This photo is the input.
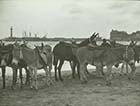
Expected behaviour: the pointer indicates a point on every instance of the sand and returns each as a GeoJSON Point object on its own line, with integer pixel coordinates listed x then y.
{"type": "Point", "coordinates": [71, 92]}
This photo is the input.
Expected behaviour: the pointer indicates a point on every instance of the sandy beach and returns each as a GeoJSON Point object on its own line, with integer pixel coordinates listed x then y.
{"type": "Point", "coordinates": [71, 92]}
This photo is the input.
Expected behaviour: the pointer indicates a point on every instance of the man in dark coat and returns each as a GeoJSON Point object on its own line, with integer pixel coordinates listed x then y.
{"type": "Point", "coordinates": [105, 43]}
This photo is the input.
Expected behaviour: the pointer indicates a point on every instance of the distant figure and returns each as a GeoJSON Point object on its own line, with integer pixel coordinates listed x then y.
{"type": "Point", "coordinates": [73, 41]}
{"type": "Point", "coordinates": [1, 43]}
{"type": "Point", "coordinates": [42, 45]}
{"type": "Point", "coordinates": [132, 43]}
{"type": "Point", "coordinates": [61, 41]}
{"type": "Point", "coordinates": [16, 43]}
{"type": "Point", "coordinates": [25, 42]}
{"type": "Point", "coordinates": [105, 44]}
{"type": "Point", "coordinates": [113, 43]}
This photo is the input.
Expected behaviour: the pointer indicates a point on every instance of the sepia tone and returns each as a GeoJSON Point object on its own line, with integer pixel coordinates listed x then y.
{"type": "Point", "coordinates": [69, 53]}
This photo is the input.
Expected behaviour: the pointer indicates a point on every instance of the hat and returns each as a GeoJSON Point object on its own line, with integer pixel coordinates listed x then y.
{"type": "Point", "coordinates": [104, 40]}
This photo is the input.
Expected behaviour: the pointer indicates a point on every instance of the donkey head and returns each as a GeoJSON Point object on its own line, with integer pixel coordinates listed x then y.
{"type": "Point", "coordinates": [129, 55]}
{"type": "Point", "coordinates": [6, 55]}
{"type": "Point", "coordinates": [16, 55]}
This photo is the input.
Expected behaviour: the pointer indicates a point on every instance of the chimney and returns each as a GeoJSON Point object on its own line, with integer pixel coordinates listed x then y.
{"type": "Point", "coordinates": [11, 32]}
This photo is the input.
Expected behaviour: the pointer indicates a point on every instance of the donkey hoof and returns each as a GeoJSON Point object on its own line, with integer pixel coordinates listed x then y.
{"type": "Point", "coordinates": [61, 79]}
{"type": "Point", "coordinates": [129, 78]}
{"type": "Point", "coordinates": [13, 87]}
{"type": "Point", "coordinates": [51, 82]}
{"type": "Point", "coordinates": [27, 83]}
{"type": "Point", "coordinates": [56, 79]}
{"type": "Point", "coordinates": [31, 87]}
{"type": "Point", "coordinates": [36, 88]}
{"type": "Point", "coordinates": [121, 74]}
{"type": "Point", "coordinates": [84, 82]}
{"type": "Point", "coordinates": [3, 87]}
{"type": "Point", "coordinates": [21, 87]}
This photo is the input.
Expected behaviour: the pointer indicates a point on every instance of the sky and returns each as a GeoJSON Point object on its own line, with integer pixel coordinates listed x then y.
{"type": "Point", "coordinates": [68, 18]}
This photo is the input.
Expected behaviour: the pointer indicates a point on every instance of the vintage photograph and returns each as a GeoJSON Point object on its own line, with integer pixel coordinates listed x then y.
{"type": "Point", "coordinates": [69, 53]}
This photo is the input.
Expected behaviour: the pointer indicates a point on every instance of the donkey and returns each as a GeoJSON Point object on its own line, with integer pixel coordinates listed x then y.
{"type": "Point", "coordinates": [66, 52]}
{"type": "Point", "coordinates": [38, 58]}
{"type": "Point", "coordinates": [100, 57]}
{"type": "Point", "coordinates": [136, 49]}
{"type": "Point", "coordinates": [6, 59]}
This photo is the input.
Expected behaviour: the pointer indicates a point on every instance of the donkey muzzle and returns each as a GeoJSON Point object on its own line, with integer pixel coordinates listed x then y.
{"type": "Point", "coordinates": [14, 61]}
{"type": "Point", "coordinates": [132, 62]}
{"type": "Point", "coordinates": [3, 63]}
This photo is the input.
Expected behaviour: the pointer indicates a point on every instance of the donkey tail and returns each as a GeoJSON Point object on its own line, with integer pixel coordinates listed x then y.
{"type": "Point", "coordinates": [55, 60]}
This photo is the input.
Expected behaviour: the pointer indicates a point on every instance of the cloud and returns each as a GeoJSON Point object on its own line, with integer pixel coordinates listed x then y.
{"type": "Point", "coordinates": [76, 18]}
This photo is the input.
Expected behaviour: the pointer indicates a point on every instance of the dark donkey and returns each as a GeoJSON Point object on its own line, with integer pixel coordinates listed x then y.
{"type": "Point", "coordinates": [6, 59]}
{"type": "Point", "coordinates": [63, 52]}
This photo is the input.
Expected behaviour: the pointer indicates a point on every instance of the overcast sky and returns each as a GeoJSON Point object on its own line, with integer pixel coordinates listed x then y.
{"type": "Point", "coordinates": [68, 18]}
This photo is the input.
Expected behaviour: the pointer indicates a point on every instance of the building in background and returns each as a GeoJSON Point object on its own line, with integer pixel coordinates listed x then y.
{"type": "Point", "coordinates": [124, 36]}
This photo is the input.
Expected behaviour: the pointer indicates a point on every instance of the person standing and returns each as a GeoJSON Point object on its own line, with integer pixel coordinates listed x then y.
{"type": "Point", "coordinates": [105, 43]}
{"type": "Point", "coordinates": [132, 43]}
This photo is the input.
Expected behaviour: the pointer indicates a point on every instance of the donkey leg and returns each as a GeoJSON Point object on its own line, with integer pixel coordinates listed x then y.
{"type": "Point", "coordinates": [87, 72]}
{"type": "Point", "coordinates": [73, 65]}
{"type": "Point", "coordinates": [132, 73]}
{"type": "Point", "coordinates": [31, 78]}
{"type": "Point", "coordinates": [83, 76]}
{"type": "Point", "coordinates": [102, 70]}
{"type": "Point", "coordinates": [48, 76]}
{"type": "Point", "coordinates": [21, 81]}
{"type": "Point", "coordinates": [16, 72]}
{"type": "Point", "coordinates": [78, 70]}
{"type": "Point", "coordinates": [55, 69]}
{"type": "Point", "coordinates": [121, 73]}
{"type": "Point", "coordinates": [14, 78]}
{"type": "Point", "coordinates": [127, 68]}
{"type": "Point", "coordinates": [27, 76]}
{"type": "Point", "coordinates": [50, 69]}
{"type": "Point", "coordinates": [108, 75]}
{"type": "Point", "coordinates": [59, 69]}
{"type": "Point", "coordinates": [99, 70]}
{"type": "Point", "coordinates": [35, 79]}
{"type": "Point", "coordinates": [3, 76]}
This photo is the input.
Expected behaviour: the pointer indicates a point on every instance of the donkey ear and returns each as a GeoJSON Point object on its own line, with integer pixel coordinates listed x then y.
{"type": "Point", "coordinates": [93, 34]}
{"type": "Point", "coordinates": [97, 34]}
